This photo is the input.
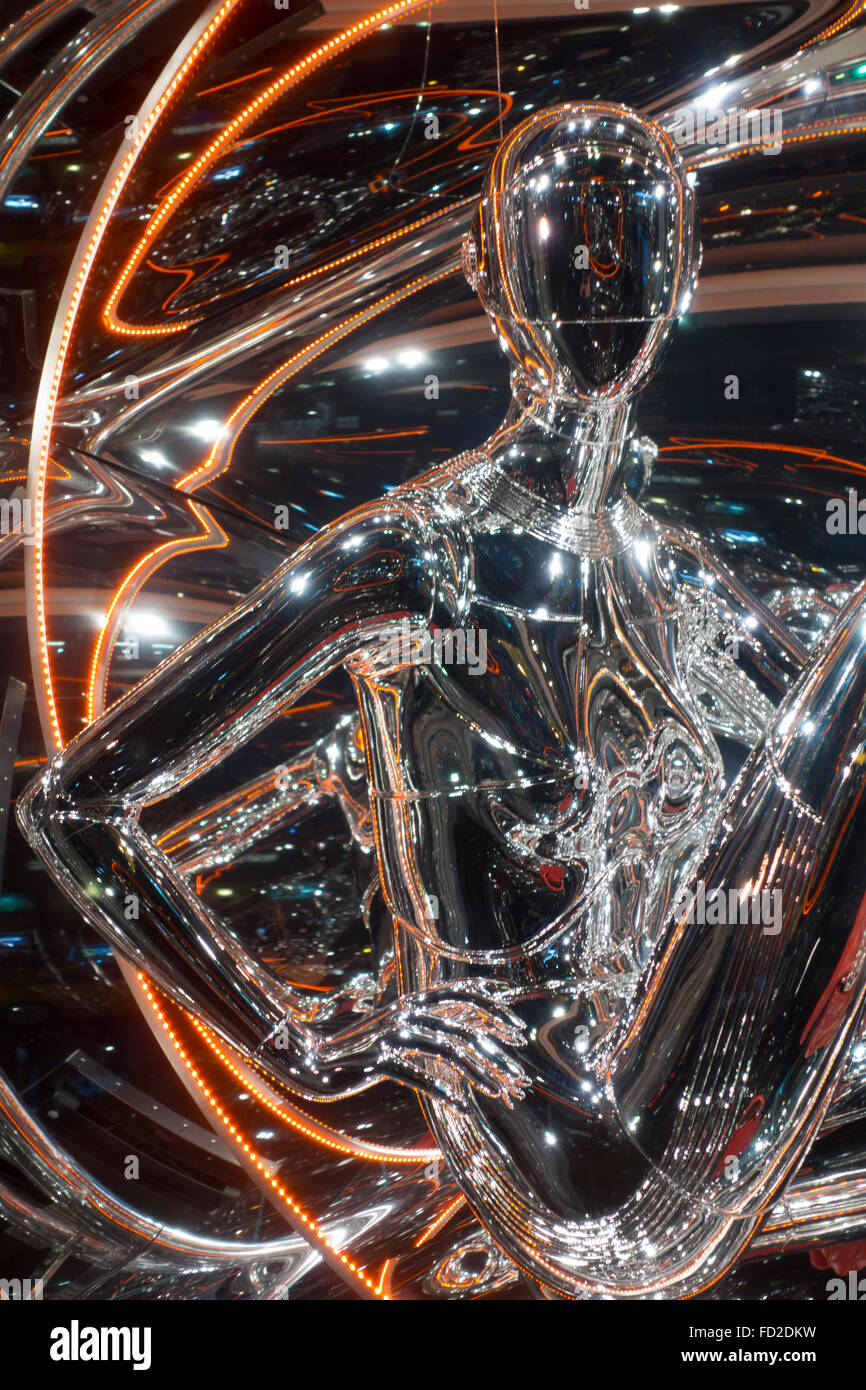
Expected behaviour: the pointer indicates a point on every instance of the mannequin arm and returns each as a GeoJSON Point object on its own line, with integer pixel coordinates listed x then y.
{"type": "Point", "coordinates": [738, 655]}
{"type": "Point", "coordinates": [337, 593]}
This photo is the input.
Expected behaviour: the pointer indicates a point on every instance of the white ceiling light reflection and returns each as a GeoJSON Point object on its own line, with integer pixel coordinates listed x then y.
{"type": "Point", "coordinates": [713, 96]}
{"type": "Point", "coordinates": [154, 456]}
{"type": "Point", "coordinates": [146, 624]}
{"type": "Point", "coordinates": [206, 430]}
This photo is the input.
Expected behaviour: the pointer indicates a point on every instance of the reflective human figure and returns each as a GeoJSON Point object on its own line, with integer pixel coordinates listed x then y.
{"type": "Point", "coordinates": [619, 1084]}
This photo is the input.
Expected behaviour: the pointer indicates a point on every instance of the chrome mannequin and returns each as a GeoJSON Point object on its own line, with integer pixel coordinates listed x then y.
{"type": "Point", "coordinates": [619, 1091]}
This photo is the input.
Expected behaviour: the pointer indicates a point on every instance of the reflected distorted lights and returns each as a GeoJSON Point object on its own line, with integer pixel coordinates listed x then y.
{"type": "Point", "coordinates": [206, 430]}
{"type": "Point", "coordinates": [595, 819]}
{"type": "Point", "coordinates": [509, 942]}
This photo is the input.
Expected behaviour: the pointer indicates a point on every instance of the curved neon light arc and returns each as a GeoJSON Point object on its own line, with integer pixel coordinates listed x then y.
{"type": "Point", "coordinates": [309, 1228]}
{"type": "Point", "coordinates": [832, 29]}
{"type": "Point", "coordinates": [219, 458]}
{"type": "Point", "coordinates": [173, 75]}
{"type": "Point", "coordinates": [226, 138]}
{"type": "Point", "coordinates": [298, 1119]}
{"type": "Point", "coordinates": [212, 537]}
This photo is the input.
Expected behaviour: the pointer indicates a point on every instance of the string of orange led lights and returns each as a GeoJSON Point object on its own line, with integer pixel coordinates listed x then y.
{"type": "Point", "coordinates": [212, 536]}
{"type": "Point", "coordinates": [219, 458]}
{"type": "Point", "coordinates": [832, 29]}
{"type": "Point", "coordinates": [325, 1135]}
{"type": "Point", "coordinates": [269, 94]}
{"type": "Point", "coordinates": [311, 1229]}
{"type": "Point", "coordinates": [172, 77]}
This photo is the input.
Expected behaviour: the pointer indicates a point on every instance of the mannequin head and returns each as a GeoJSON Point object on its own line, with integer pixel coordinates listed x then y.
{"type": "Point", "coordinates": [581, 250]}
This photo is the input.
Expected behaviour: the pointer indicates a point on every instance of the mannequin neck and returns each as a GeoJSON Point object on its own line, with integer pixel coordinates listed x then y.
{"type": "Point", "coordinates": [576, 456]}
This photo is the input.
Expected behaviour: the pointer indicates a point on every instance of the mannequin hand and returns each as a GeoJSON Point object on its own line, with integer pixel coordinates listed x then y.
{"type": "Point", "coordinates": [465, 1025]}
{"type": "Point", "coordinates": [468, 1026]}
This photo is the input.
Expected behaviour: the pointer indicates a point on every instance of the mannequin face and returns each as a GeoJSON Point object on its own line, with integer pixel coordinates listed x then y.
{"type": "Point", "coordinates": [581, 250]}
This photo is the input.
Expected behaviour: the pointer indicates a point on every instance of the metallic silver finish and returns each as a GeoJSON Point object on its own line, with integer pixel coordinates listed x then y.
{"type": "Point", "coordinates": [80, 1204]}
{"type": "Point", "coordinates": [619, 1087]}
{"type": "Point", "coordinates": [18, 35]}
{"type": "Point", "coordinates": [36, 109]}
{"type": "Point", "coordinates": [581, 253]}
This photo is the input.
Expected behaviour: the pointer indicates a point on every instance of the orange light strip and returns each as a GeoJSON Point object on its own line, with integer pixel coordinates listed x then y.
{"type": "Point", "coordinates": [219, 458]}
{"type": "Point", "coordinates": [346, 438]}
{"type": "Point", "coordinates": [683, 442]}
{"type": "Point", "coordinates": [248, 1152]}
{"type": "Point", "coordinates": [188, 273]}
{"type": "Point", "coordinates": [440, 1221]}
{"type": "Point", "coordinates": [49, 388]}
{"type": "Point", "coordinates": [381, 1284]}
{"type": "Point", "coordinates": [857, 8]}
{"type": "Point", "coordinates": [56, 154]}
{"type": "Point", "coordinates": [821, 130]}
{"type": "Point", "coordinates": [266, 97]}
{"type": "Point", "coordinates": [62, 476]}
{"type": "Point", "coordinates": [320, 1134]}
{"type": "Point", "coordinates": [221, 86]}
{"type": "Point", "coordinates": [212, 537]}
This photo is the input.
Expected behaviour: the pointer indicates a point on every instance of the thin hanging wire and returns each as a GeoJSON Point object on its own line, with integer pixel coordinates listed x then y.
{"type": "Point", "coordinates": [498, 68]}
{"type": "Point", "coordinates": [418, 105]}
{"type": "Point", "coordinates": [420, 101]}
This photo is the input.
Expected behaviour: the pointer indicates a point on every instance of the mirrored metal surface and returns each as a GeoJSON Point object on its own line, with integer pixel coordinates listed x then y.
{"type": "Point", "coordinates": [483, 859]}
